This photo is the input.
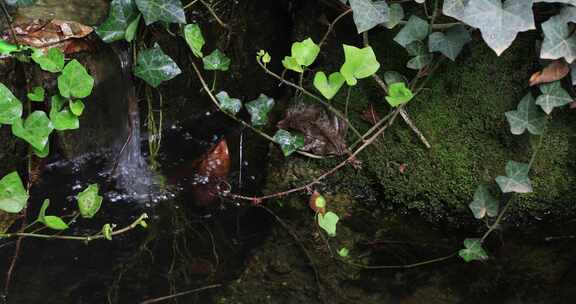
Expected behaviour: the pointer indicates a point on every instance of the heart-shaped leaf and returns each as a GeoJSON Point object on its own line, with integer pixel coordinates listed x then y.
{"type": "Point", "coordinates": [170, 11]}
{"type": "Point", "coordinates": [517, 178]}
{"type": "Point", "coordinates": [328, 222]}
{"type": "Point", "coordinates": [10, 106]}
{"type": "Point", "coordinates": [194, 39]}
{"type": "Point", "coordinates": [553, 95]}
{"type": "Point", "coordinates": [395, 15]}
{"type": "Point", "coordinates": [289, 143]}
{"type": "Point", "coordinates": [13, 195]}
{"type": "Point", "coordinates": [368, 14]}
{"type": "Point", "coordinates": [328, 87]}
{"type": "Point", "coordinates": [484, 203]}
{"type": "Point", "coordinates": [526, 116]}
{"type": "Point", "coordinates": [122, 14]}
{"type": "Point", "coordinates": [398, 94]}
{"type": "Point", "coordinates": [358, 64]}
{"type": "Point", "coordinates": [559, 38]}
{"type": "Point", "coordinates": [62, 118]}
{"type": "Point", "coordinates": [228, 104]}
{"type": "Point", "coordinates": [259, 109]}
{"type": "Point", "coordinates": [77, 107]}
{"type": "Point", "coordinates": [37, 94]}
{"type": "Point", "coordinates": [450, 43]}
{"type": "Point", "coordinates": [75, 81]}
{"type": "Point", "coordinates": [35, 129]}
{"type": "Point", "coordinates": [89, 201]}
{"type": "Point", "coordinates": [473, 251]}
{"type": "Point", "coordinates": [216, 61]}
{"type": "Point", "coordinates": [303, 53]}
{"type": "Point", "coordinates": [52, 62]}
{"type": "Point", "coordinates": [415, 30]}
{"type": "Point", "coordinates": [155, 67]}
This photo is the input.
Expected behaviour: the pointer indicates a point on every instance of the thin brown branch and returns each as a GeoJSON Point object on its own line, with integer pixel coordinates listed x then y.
{"type": "Point", "coordinates": [179, 294]}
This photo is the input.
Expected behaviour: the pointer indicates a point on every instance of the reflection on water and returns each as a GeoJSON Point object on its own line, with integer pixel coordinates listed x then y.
{"type": "Point", "coordinates": [88, 12]}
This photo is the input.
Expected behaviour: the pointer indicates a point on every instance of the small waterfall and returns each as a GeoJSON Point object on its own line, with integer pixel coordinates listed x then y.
{"type": "Point", "coordinates": [131, 171]}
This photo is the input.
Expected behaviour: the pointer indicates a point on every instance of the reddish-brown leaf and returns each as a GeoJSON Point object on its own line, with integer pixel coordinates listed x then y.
{"type": "Point", "coordinates": [215, 165]}
{"type": "Point", "coordinates": [313, 205]}
{"type": "Point", "coordinates": [556, 70]}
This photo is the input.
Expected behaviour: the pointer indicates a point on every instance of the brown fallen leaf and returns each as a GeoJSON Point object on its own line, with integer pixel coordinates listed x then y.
{"type": "Point", "coordinates": [211, 171]}
{"type": "Point", "coordinates": [312, 203]}
{"type": "Point", "coordinates": [555, 70]}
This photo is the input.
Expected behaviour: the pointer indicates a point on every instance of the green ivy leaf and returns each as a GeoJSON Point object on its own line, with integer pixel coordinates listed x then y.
{"type": "Point", "coordinates": [132, 29]}
{"type": "Point", "coordinates": [291, 63]}
{"type": "Point", "coordinates": [52, 62]}
{"type": "Point", "coordinates": [35, 129]}
{"type": "Point", "coordinates": [559, 37]}
{"type": "Point", "coordinates": [13, 195]}
{"type": "Point", "coordinates": [450, 43]}
{"type": "Point", "coordinates": [527, 116]}
{"type": "Point", "coordinates": [170, 11]}
{"type": "Point", "coordinates": [121, 15]}
{"type": "Point", "coordinates": [216, 61]}
{"type": "Point", "coordinates": [77, 107]}
{"type": "Point", "coordinates": [37, 94]}
{"type": "Point", "coordinates": [358, 64]}
{"type": "Point", "coordinates": [7, 48]}
{"type": "Point", "coordinates": [328, 87]}
{"type": "Point", "coordinates": [54, 222]}
{"type": "Point", "coordinates": [194, 39]}
{"type": "Point", "coordinates": [264, 56]}
{"type": "Point", "coordinates": [107, 231]}
{"type": "Point", "coordinates": [328, 222]}
{"type": "Point", "coordinates": [553, 95]}
{"type": "Point", "coordinates": [473, 251]}
{"type": "Point", "coordinates": [75, 81]}
{"type": "Point", "coordinates": [343, 252]}
{"type": "Point", "coordinates": [288, 142]}
{"type": "Point", "coordinates": [62, 118]}
{"type": "Point", "coordinates": [42, 213]}
{"type": "Point", "coordinates": [517, 178]}
{"type": "Point", "coordinates": [303, 54]}
{"type": "Point", "coordinates": [421, 56]}
{"type": "Point", "coordinates": [10, 106]}
{"type": "Point", "coordinates": [155, 67]}
{"type": "Point", "coordinates": [484, 203]}
{"type": "Point", "coordinates": [395, 15]}
{"type": "Point", "coordinates": [398, 94]}
{"type": "Point", "coordinates": [89, 201]}
{"type": "Point", "coordinates": [368, 14]}
{"type": "Point", "coordinates": [259, 109]}
{"type": "Point", "coordinates": [228, 104]}
{"type": "Point", "coordinates": [415, 30]}
{"type": "Point", "coordinates": [42, 153]}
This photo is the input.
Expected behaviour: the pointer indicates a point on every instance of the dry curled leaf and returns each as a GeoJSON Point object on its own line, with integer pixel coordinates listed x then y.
{"type": "Point", "coordinates": [555, 70]}
{"type": "Point", "coordinates": [314, 199]}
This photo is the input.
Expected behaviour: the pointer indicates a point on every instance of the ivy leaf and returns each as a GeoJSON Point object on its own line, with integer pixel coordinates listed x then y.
{"type": "Point", "coordinates": [415, 30]}
{"type": "Point", "coordinates": [358, 64]}
{"type": "Point", "coordinates": [42, 153]}
{"type": "Point", "coordinates": [450, 44]}
{"type": "Point", "coordinates": [170, 11]}
{"type": "Point", "coordinates": [559, 39]}
{"type": "Point", "coordinates": [10, 106]}
{"type": "Point", "coordinates": [395, 15]}
{"type": "Point", "coordinates": [75, 81]}
{"type": "Point", "coordinates": [194, 39]}
{"type": "Point", "coordinates": [484, 203]}
{"type": "Point", "coordinates": [289, 143]}
{"type": "Point", "coordinates": [77, 107]}
{"type": "Point", "coordinates": [499, 22]}
{"type": "Point", "coordinates": [553, 95]}
{"type": "Point", "coordinates": [343, 252]}
{"type": "Point", "coordinates": [228, 104]}
{"type": "Point", "coordinates": [35, 129]}
{"type": "Point", "coordinates": [259, 109]}
{"type": "Point", "coordinates": [52, 62]}
{"type": "Point", "coordinates": [13, 195]}
{"type": "Point", "coordinates": [454, 8]}
{"type": "Point", "coordinates": [7, 48]}
{"type": "Point", "coordinates": [516, 179]}
{"type": "Point", "coordinates": [216, 61]}
{"type": "Point", "coordinates": [42, 213]}
{"type": "Point", "coordinates": [54, 222]}
{"type": "Point", "coordinates": [62, 118]}
{"type": "Point", "coordinates": [527, 116]}
{"type": "Point", "coordinates": [398, 94]}
{"type": "Point", "coordinates": [303, 53]}
{"type": "Point", "coordinates": [421, 56]}
{"type": "Point", "coordinates": [368, 14]}
{"type": "Point", "coordinates": [328, 87]}
{"type": "Point", "coordinates": [107, 231]}
{"type": "Point", "coordinates": [121, 15]}
{"type": "Point", "coordinates": [132, 29]}
{"type": "Point", "coordinates": [473, 251]}
{"type": "Point", "coordinates": [328, 222]}
{"type": "Point", "coordinates": [37, 94]}
{"type": "Point", "coordinates": [89, 201]}
{"type": "Point", "coordinates": [155, 67]}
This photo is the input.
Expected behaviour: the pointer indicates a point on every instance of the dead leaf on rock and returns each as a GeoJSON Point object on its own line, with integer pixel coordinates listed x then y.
{"type": "Point", "coordinates": [324, 134]}
{"type": "Point", "coordinates": [555, 70]}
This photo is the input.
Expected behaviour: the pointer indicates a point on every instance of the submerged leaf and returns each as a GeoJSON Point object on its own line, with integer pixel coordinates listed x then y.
{"type": "Point", "coordinates": [259, 109]}
{"type": "Point", "coordinates": [526, 117]}
{"type": "Point", "coordinates": [289, 143]}
{"type": "Point", "coordinates": [10, 106]}
{"type": "Point", "coordinates": [155, 67]}
{"type": "Point", "coordinates": [473, 251]}
{"type": "Point", "coordinates": [13, 195]}
{"type": "Point", "coordinates": [516, 179]}
{"type": "Point", "coordinates": [553, 95]}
